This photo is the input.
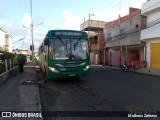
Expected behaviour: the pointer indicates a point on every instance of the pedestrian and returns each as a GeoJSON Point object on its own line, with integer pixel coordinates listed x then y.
{"type": "Point", "coordinates": [21, 62]}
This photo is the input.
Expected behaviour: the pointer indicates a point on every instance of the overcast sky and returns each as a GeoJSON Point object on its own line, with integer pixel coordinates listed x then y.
{"type": "Point", "coordinates": [56, 14]}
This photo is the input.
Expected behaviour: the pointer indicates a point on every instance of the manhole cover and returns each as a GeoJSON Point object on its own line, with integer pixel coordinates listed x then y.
{"type": "Point", "coordinates": [29, 82]}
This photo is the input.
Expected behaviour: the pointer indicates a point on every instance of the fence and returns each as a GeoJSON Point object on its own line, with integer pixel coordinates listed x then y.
{"type": "Point", "coordinates": [7, 69]}
{"type": "Point", "coordinates": [6, 65]}
{"type": "Point", "coordinates": [8, 74]}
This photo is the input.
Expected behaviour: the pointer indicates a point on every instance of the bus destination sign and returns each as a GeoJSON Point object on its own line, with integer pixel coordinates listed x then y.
{"type": "Point", "coordinates": [67, 33]}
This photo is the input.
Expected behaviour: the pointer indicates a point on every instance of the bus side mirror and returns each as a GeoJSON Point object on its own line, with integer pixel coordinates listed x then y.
{"type": "Point", "coordinates": [46, 41]}
{"type": "Point", "coordinates": [89, 45]}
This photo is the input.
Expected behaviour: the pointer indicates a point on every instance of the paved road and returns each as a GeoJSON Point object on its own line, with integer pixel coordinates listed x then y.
{"type": "Point", "coordinates": [20, 93]}
{"type": "Point", "coordinates": [104, 90]}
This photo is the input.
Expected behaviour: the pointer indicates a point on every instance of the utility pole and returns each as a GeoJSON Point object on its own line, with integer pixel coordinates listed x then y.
{"type": "Point", "coordinates": [89, 28]}
{"type": "Point", "coordinates": [32, 32]}
{"type": "Point", "coordinates": [83, 23]}
{"type": "Point", "coordinates": [89, 23]}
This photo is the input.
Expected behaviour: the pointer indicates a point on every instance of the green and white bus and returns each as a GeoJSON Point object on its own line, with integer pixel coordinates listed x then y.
{"type": "Point", "coordinates": [65, 54]}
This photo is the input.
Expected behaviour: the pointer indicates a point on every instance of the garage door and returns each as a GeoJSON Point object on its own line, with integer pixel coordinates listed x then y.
{"type": "Point", "coordinates": [155, 55]}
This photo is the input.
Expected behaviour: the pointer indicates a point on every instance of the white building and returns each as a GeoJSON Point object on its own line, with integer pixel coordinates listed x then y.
{"type": "Point", "coordinates": [2, 38]}
{"type": "Point", "coordinates": [8, 42]}
{"type": "Point", "coordinates": [5, 40]}
{"type": "Point", "coordinates": [151, 34]}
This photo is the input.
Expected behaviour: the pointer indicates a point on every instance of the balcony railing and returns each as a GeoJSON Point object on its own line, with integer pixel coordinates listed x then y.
{"type": "Point", "coordinates": [126, 34]}
{"type": "Point", "coordinates": [150, 24]}
{"type": "Point", "coordinates": [150, 6]}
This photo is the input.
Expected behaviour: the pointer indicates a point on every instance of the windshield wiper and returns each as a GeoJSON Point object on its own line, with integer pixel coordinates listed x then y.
{"type": "Point", "coordinates": [61, 41]}
{"type": "Point", "coordinates": [77, 42]}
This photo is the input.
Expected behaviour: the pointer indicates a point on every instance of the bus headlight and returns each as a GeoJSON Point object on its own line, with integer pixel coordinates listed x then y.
{"type": "Point", "coordinates": [87, 67]}
{"type": "Point", "coordinates": [53, 69]}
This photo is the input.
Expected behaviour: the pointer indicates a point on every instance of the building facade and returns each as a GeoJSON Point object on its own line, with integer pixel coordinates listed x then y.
{"type": "Point", "coordinates": [27, 53]}
{"type": "Point", "coordinates": [151, 33]}
{"type": "Point", "coordinates": [97, 48]}
{"type": "Point", "coordinates": [2, 38]}
{"type": "Point", "coordinates": [8, 42]}
{"type": "Point", "coordinates": [20, 51]}
{"type": "Point", "coordinates": [5, 40]}
{"type": "Point", "coordinates": [95, 30]}
{"type": "Point", "coordinates": [122, 39]}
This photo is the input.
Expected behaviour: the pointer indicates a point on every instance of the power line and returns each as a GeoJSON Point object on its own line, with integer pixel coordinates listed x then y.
{"type": "Point", "coordinates": [134, 31]}
{"type": "Point", "coordinates": [140, 9]}
{"type": "Point", "coordinates": [150, 6]}
{"type": "Point", "coordinates": [112, 4]}
{"type": "Point", "coordinates": [20, 39]}
{"type": "Point", "coordinates": [21, 32]}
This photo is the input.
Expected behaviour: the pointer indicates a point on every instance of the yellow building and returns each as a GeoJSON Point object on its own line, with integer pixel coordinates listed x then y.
{"type": "Point", "coordinates": [151, 34]}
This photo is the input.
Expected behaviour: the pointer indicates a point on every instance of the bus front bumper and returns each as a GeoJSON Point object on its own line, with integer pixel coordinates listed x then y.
{"type": "Point", "coordinates": [53, 75]}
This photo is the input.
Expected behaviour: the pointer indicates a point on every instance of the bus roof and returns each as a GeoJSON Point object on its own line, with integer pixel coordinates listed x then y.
{"type": "Point", "coordinates": [64, 33]}
{"type": "Point", "coordinates": [76, 33]}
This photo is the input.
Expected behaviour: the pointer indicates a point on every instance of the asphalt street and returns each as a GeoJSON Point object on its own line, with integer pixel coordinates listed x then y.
{"type": "Point", "coordinates": [83, 98]}
{"type": "Point", "coordinates": [104, 90]}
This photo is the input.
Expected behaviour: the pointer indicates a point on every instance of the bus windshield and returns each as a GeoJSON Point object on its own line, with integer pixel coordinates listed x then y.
{"type": "Point", "coordinates": [68, 49]}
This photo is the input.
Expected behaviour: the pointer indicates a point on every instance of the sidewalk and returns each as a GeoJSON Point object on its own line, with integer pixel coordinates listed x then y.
{"type": "Point", "coordinates": [145, 71]}
{"type": "Point", "coordinates": [24, 93]}
{"type": "Point", "coordinates": [32, 90]}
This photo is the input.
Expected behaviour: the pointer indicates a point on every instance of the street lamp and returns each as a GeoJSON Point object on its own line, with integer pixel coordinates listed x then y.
{"type": "Point", "coordinates": [34, 27]}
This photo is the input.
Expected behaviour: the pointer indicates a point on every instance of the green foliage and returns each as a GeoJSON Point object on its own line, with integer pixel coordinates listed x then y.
{"type": "Point", "coordinates": [6, 55]}
{"type": "Point", "coordinates": [2, 68]}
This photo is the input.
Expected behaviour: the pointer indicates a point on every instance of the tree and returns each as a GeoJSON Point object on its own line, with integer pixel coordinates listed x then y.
{"type": "Point", "coordinates": [6, 55]}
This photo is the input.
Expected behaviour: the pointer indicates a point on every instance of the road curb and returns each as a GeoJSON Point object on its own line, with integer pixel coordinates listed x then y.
{"type": "Point", "coordinates": [96, 65]}
{"type": "Point", "coordinates": [147, 74]}
{"type": "Point", "coordinates": [39, 101]}
{"type": "Point", "coordinates": [38, 94]}
{"type": "Point", "coordinates": [114, 68]}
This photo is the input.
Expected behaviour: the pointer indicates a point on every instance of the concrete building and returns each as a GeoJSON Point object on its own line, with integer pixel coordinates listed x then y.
{"type": "Point", "coordinates": [5, 40]}
{"type": "Point", "coordinates": [96, 38]}
{"type": "Point", "coordinates": [8, 42]}
{"type": "Point", "coordinates": [97, 48]}
{"type": "Point", "coordinates": [2, 38]}
{"type": "Point", "coordinates": [151, 33]}
{"type": "Point", "coordinates": [20, 51]}
{"type": "Point", "coordinates": [122, 39]}
{"type": "Point", "coordinates": [28, 53]}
